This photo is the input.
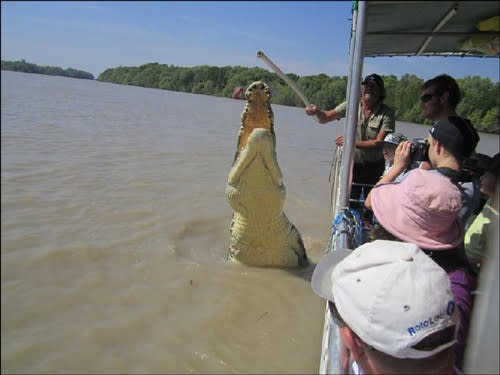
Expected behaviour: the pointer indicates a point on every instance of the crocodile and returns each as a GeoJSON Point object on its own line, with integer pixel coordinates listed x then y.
{"type": "Point", "coordinates": [260, 232]}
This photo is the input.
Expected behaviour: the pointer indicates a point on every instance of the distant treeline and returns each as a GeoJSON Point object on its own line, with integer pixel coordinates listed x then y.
{"type": "Point", "coordinates": [23, 66]}
{"type": "Point", "coordinates": [480, 101]}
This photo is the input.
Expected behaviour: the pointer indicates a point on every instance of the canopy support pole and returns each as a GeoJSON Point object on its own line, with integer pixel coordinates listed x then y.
{"type": "Point", "coordinates": [354, 87]}
{"type": "Point", "coordinates": [330, 362]}
{"type": "Point", "coordinates": [441, 23]}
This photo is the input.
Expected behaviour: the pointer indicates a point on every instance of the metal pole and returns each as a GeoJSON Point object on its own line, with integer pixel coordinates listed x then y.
{"type": "Point", "coordinates": [330, 362]}
{"type": "Point", "coordinates": [354, 87]}
{"type": "Point", "coordinates": [337, 158]}
{"type": "Point", "coordinates": [351, 47]}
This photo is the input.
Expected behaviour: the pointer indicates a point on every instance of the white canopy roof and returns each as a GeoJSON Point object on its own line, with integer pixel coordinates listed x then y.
{"type": "Point", "coordinates": [426, 28]}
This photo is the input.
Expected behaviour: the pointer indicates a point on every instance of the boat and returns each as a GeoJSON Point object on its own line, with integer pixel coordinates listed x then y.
{"type": "Point", "coordinates": [412, 28]}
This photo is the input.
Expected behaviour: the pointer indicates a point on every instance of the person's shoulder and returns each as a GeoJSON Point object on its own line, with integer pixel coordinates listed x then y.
{"type": "Point", "coordinates": [488, 210]}
{"type": "Point", "coordinates": [386, 109]}
{"type": "Point", "coordinates": [431, 175]}
{"type": "Point", "coordinates": [432, 170]}
{"type": "Point", "coordinates": [340, 107]}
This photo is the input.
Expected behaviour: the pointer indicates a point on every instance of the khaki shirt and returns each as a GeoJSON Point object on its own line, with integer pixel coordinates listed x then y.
{"type": "Point", "coordinates": [382, 119]}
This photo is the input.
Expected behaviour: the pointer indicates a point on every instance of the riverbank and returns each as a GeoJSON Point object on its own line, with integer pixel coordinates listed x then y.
{"type": "Point", "coordinates": [26, 67]}
{"type": "Point", "coordinates": [480, 101]}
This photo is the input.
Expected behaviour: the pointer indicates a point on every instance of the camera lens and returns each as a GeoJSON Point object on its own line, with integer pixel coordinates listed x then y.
{"type": "Point", "coordinates": [419, 150]}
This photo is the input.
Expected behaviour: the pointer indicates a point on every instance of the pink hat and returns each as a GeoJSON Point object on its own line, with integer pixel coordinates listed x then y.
{"type": "Point", "coordinates": [422, 209]}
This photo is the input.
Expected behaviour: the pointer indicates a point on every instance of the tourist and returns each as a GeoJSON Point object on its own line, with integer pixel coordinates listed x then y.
{"type": "Point", "coordinates": [424, 209]}
{"type": "Point", "coordinates": [449, 141]}
{"type": "Point", "coordinates": [389, 144]}
{"type": "Point", "coordinates": [393, 306]}
{"type": "Point", "coordinates": [476, 237]}
{"type": "Point", "coordinates": [375, 121]}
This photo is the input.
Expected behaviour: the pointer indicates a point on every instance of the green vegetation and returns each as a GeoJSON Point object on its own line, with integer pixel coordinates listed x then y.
{"type": "Point", "coordinates": [480, 101]}
{"type": "Point", "coordinates": [23, 66]}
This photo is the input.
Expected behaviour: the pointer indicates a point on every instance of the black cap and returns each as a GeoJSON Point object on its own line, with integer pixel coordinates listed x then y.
{"type": "Point", "coordinates": [375, 78]}
{"type": "Point", "coordinates": [457, 134]}
{"type": "Point", "coordinates": [378, 81]}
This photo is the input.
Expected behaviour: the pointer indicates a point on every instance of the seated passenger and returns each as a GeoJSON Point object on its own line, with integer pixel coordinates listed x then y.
{"type": "Point", "coordinates": [393, 307]}
{"type": "Point", "coordinates": [489, 178]}
{"type": "Point", "coordinates": [476, 165]}
{"type": "Point", "coordinates": [389, 144]}
{"type": "Point", "coordinates": [450, 141]}
{"type": "Point", "coordinates": [424, 209]}
{"type": "Point", "coordinates": [476, 239]}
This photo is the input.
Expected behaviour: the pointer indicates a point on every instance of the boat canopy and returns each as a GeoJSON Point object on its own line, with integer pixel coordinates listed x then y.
{"type": "Point", "coordinates": [412, 28]}
{"type": "Point", "coordinates": [432, 28]}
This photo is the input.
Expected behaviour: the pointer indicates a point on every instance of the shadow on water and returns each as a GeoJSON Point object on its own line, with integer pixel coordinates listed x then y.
{"type": "Point", "coordinates": [304, 272]}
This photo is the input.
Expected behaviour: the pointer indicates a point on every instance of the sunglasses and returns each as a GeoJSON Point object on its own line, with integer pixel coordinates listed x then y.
{"type": "Point", "coordinates": [425, 98]}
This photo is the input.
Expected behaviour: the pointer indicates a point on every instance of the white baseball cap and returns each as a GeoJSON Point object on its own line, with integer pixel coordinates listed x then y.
{"type": "Point", "coordinates": [390, 293]}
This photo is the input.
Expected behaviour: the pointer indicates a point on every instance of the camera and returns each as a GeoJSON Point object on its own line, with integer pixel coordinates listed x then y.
{"type": "Point", "coordinates": [419, 150]}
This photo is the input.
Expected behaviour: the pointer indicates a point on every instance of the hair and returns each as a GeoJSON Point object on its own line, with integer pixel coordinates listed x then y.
{"type": "Point", "coordinates": [447, 259]}
{"type": "Point", "coordinates": [378, 232]}
{"type": "Point", "coordinates": [335, 314]}
{"type": "Point", "coordinates": [469, 134]}
{"type": "Point", "coordinates": [494, 167]}
{"type": "Point", "coordinates": [441, 362]}
{"type": "Point", "coordinates": [433, 364]}
{"type": "Point", "coordinates": [444, 83]}
{"type": "Point", "coordinates": [476, 164]}
{"type": "Point", "coordinates": [446, 153]}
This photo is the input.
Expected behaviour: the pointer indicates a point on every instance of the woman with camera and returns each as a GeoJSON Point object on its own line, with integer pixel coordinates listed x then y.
{"type": "Point", "coordinates": [449, 142]}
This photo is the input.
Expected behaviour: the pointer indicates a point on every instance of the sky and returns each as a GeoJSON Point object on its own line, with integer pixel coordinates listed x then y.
{"type": "Point", "coordinates": [305, 38]}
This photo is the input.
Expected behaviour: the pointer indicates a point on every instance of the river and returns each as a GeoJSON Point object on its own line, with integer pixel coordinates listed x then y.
{"type": "Point", "coordinates": [115, 229]}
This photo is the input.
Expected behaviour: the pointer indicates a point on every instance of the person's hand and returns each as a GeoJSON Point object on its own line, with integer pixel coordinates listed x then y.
{"type": "Point", "coordinates": [339, 141]}
{"type": "Point", "coordinates": [402, 155]}
{"type": "Point", "coordinates": [311, 110]}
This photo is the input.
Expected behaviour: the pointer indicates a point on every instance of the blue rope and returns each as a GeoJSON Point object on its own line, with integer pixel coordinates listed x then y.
{"type": "Point", "coordinates": [353, 227]}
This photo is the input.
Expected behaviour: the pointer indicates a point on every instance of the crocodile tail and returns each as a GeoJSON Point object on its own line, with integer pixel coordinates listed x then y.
{"type": "Point", "coordinates": [303, 260]}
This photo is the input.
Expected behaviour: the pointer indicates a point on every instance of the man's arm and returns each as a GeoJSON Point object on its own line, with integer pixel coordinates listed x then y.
{"type": "Point", "coordinates": [388, 126]}
{"type": "Point", "coordinates": [369, 143]}
{"type": "Point", "coordinates": [339, 141]}
{"type": "Point", "coordinates": [323, 116]}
